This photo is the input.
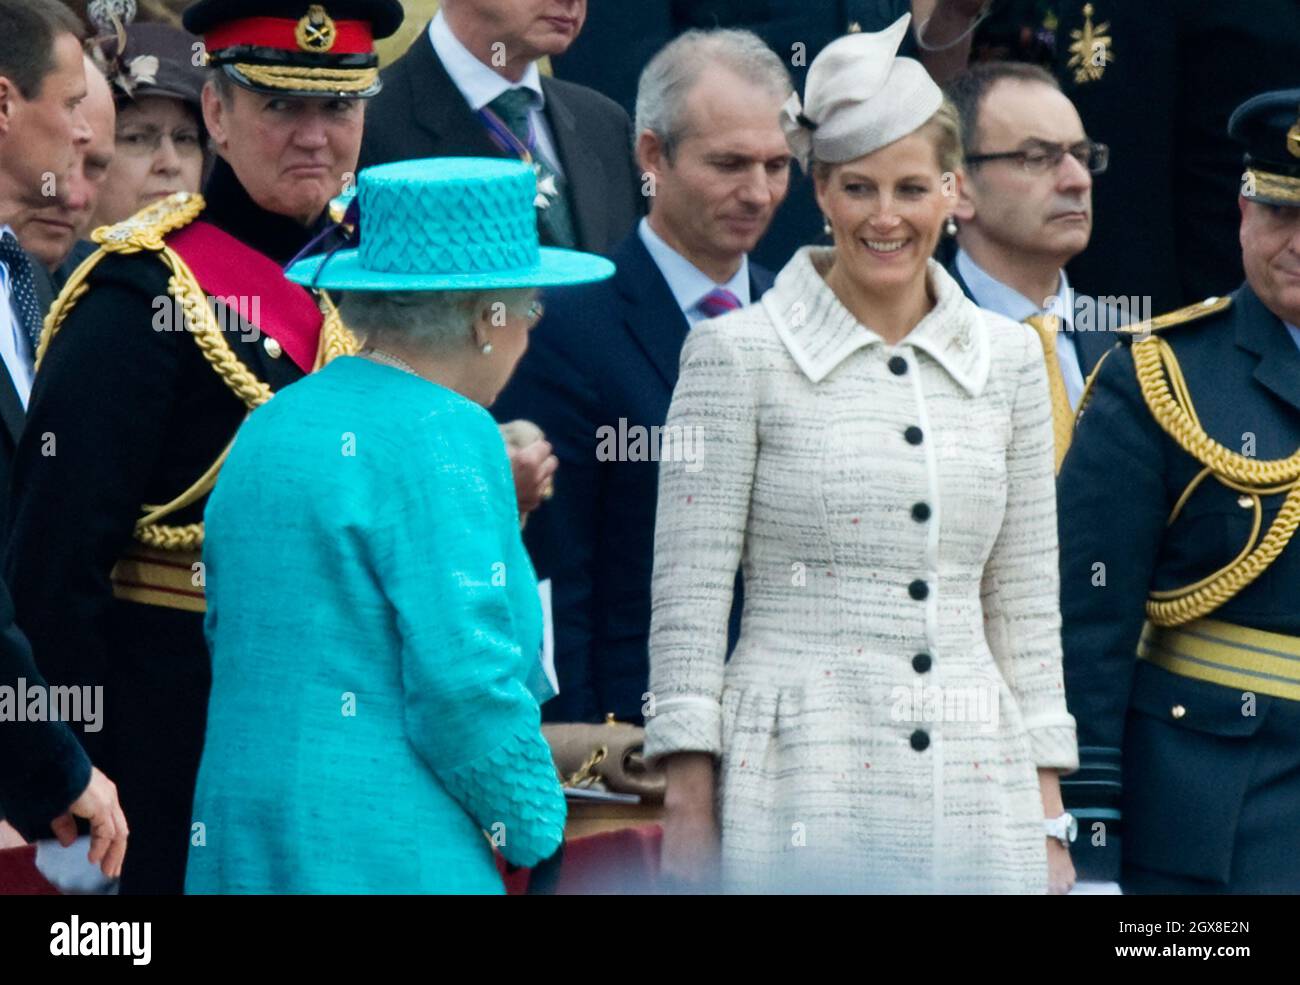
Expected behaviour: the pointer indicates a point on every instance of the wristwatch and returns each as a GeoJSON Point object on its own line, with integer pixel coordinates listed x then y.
{"type": "Point", "coordinates": [1064, 828]}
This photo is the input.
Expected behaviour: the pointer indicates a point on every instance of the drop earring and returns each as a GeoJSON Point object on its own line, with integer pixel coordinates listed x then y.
{"type": "Point", "coordinates": [487, 348]}
{"type": "Point", "coordinates": [950, 227]}
{"type": "Point", "coordinates": [826, 226]}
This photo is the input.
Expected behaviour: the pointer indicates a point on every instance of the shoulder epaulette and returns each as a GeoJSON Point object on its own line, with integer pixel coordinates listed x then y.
{"type": "Point", "coordinates": [146, 229]}
{"type": "Point", "coordinates": [1183, 316]}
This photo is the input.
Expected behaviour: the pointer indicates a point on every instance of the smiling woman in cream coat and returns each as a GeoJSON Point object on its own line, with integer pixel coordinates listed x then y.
{"type": "Point", "coordinates": [893, 717]}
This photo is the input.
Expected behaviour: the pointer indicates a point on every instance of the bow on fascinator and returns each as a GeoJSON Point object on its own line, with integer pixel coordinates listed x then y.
{"type": "Point", "coordinates": [859, 97]}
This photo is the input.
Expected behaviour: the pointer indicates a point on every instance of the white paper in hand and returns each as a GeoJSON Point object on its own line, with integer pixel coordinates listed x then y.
{"type": "Point", "coordinates": [548, 637]}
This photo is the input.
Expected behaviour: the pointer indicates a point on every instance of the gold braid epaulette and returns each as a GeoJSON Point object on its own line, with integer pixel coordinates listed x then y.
{"type": "Point", "coordinates": [1210, 306]}
{"type": "Point", "coordinates": [145, 232]}
{"type": "Point", "coordinates": [1165, 391]}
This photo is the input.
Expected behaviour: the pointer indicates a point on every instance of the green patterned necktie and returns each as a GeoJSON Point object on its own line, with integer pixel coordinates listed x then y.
{"type": "Point", "coordinates": [513, 107]}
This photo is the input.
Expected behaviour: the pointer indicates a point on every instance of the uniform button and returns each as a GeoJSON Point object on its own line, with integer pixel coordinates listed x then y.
{"type": "Point", "coordinates": [921, 512]}
{"type": "Point", "coordinates": [897, 365]}
{"type": "Point", "coordinates": [913, 435]}
{"type": "Point", "coordinates": [1178, 711]}
{"type": "Point", "coordinates": [920, 740]}
{"type": "Point", "coordinates": [918, 589]}
{"type": "Point", "coordinates": [921, 663]}
{"type": "Point", "coordinates": [272, 347]}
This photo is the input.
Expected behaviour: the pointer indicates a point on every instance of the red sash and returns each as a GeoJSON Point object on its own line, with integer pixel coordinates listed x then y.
{"type": "Point", "coordinates": [226, 268]}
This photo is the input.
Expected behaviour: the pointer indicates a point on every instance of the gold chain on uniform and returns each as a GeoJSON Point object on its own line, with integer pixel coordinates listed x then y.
{"type": "Point", "coordinates": [145, 231]}
{"type": "Point", "coordinates": [1165, 391]}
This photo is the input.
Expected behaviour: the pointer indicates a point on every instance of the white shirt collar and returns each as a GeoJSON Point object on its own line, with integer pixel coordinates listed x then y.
{"type": "Point", "coordinates": [477, 82]}
{"type": "Point", "coordinates": [688, 283]}
{"type": "Point", "coordinates": [994, 295]}
{"type": "Point", "coordinates": [820, 332]}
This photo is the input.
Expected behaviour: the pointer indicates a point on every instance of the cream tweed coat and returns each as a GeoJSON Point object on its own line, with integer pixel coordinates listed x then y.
{"type": "Point", "coordinates": [898, 675]}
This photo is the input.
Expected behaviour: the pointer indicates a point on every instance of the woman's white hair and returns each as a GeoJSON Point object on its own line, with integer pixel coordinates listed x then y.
{"type": "Point", "coordinates": [670, 75]}
{"type": "Point", "coordinates": [438, 321]}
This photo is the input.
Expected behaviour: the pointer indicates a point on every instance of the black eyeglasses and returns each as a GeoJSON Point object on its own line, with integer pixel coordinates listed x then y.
{"type": "Point", "coordinates": [1043, 157]}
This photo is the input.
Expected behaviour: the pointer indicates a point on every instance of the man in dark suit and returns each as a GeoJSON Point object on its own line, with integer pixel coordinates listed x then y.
{"type": "Point", "coordinates": [601, 367]}
{"type": "Point", "coordinates": [470, 86]}
{"type": "Point", "coordinates": [44, 773]}
{"type": "Point", "coordinates": [1180, 569]}
{"type": "Point", "coordinates": [42, 127]}
{"type": "Point", "coordinates": [1023, 212]}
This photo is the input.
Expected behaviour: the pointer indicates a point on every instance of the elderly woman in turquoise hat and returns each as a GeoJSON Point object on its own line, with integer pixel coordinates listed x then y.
{"type": "Point", "coordinates": [373, 725]}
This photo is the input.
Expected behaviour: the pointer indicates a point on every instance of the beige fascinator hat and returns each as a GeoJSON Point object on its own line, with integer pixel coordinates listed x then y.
{"type": "Point", "coordinates": [860, 96]}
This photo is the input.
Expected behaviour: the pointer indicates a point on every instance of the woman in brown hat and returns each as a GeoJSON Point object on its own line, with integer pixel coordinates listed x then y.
{"type": "Point", "coordinates": [160, 133]}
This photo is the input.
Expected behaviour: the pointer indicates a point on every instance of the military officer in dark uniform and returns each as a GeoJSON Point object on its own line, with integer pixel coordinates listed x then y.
{"type": "Point", "coordinates": [1178, 505]}
{"type": "Point", "coordinates": [143, 379]}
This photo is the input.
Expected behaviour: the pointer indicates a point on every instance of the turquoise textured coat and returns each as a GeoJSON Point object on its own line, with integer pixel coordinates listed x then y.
{"type": "Point", "coordinates": [374, 624]}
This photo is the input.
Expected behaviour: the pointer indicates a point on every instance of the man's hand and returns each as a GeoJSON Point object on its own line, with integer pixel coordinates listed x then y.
{"type": "Point", "coordinates": [531, 463]}
{"type": "Point", "coordinates": [97, 804]}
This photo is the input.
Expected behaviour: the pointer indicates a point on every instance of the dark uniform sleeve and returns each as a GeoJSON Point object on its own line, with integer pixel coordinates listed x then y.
{"type": "Point", "coordinates": [1112, 508]}
{"type": "Point", "coordinates": [42, 767]}
{"type": "Point", "coordinates": [102, 400]}
{"type": "Point", "coordinates": [551, 390]}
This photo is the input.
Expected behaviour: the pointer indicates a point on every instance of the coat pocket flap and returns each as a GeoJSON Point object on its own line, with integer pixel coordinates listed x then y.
{"type": "Point", "coordinates": [1196, 705]}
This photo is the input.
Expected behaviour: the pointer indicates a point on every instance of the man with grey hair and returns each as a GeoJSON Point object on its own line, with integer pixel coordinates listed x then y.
{"type": "Point", "coordinates": [601, 367]}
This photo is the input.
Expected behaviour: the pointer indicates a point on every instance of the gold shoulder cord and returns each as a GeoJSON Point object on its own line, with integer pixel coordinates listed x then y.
{"type": "Point", "coordinates": [1088, 385]}
{"type": "Point", "coordinates": [146, 231]}
{"type": "Point", "coordinates": [1165, 391]}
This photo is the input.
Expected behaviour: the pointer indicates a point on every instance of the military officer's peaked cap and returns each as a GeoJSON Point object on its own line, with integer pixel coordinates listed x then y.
{"type": "Point", "coordinates": [294, 47]}
{"type": "Point", "coordinates": [1269, 127]}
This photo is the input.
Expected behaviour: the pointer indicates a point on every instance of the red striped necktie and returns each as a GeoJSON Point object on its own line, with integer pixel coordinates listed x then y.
{"type": "Point", "coordinates": [718, 302]}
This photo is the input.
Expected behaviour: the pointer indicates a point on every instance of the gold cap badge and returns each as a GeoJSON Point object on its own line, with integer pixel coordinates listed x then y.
{"type": "Point", "coordinates": [1293, 138]}
{"type": "Point", "coordinates": [315, 31]}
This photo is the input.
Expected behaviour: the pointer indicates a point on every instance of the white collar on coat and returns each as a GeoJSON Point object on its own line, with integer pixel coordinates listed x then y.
{"type": "Point", "coordinates": [821, 333]}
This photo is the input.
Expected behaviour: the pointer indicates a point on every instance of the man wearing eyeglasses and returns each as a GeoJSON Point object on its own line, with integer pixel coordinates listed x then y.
{"type": "Point", "coordinates": [1025, 210]}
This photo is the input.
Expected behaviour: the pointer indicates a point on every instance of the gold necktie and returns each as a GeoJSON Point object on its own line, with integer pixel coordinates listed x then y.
{"type": "Point", "coordinates": [1062, 412]}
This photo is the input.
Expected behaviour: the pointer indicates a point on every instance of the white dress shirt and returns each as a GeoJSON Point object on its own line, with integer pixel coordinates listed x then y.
{"type": "Point", "coordinates": [15, 349]}
{"type": "Point", "coordinates": [480, 84]}
{"type": "Point", "coordinates": [688, 283]}
{"type": "Point", "coordinates": [1295, 332]}
{"type": "Point", "coordinates": [991, 293]}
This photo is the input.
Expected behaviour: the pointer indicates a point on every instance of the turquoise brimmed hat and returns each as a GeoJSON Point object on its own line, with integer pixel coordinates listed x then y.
{"type": "Point", "coordinates": [447, 224]}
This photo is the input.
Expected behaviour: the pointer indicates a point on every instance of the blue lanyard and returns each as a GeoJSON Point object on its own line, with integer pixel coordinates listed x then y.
{"type": "Point", "coordinates": [505, 138]}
